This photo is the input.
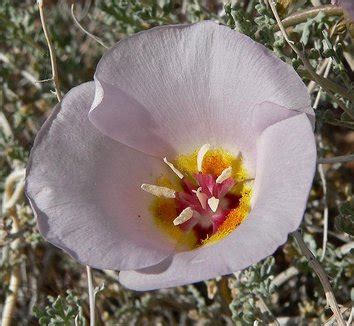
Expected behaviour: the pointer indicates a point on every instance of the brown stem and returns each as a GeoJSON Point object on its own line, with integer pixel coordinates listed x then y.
{"type": "Point", "coordinates": [336, 159]}
{"type": "Point", "coordinates": [53, 60]}
{"type": "Point", "coordinates": [316, 266]}
{"type": "Point", "coordinates": [12, 195]}
{"type": "Point", "coordinates": [301, 16]}
{"type": "Point", "coordinates": [265, 310]}
{"type": "Point", "coordinates": [329, 86]}
{"type": "Point", "coordinates": [15, 279]}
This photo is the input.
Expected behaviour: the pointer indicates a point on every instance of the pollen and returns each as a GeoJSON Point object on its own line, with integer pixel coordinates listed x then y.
{"type": "Point", "coordinates": [216, 161]}
{"type": "Point", "coordinates": [187, 164]}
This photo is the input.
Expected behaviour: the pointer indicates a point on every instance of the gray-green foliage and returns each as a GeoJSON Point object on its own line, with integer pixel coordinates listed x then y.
{"type": "Point", "coordinates": [63, 310]}
{"type": "Point", "coordinates": [252, 285]}
{"type": "Point", "coordinates": [345, 221]}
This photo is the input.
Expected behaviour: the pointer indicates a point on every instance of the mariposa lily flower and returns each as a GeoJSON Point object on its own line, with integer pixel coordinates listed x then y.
{"type": "Point", "coordinates": [190, 156]}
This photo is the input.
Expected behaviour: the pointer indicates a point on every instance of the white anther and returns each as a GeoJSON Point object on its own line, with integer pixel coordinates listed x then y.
{"type": "Point", "coordinates": [203, 150]}
{"type": "Point", "coordinates": [225, 174]}
{"type": "Point", "coordinates": [159, 191]}
{"type": "Point", "coordinates": [213, 203]}
{"type": "Point", "coordinates": [179, 173]}
{"type": "Point", "coordinates": [185, 215]}
{"type": "Point", "coordinates": [201, 197]}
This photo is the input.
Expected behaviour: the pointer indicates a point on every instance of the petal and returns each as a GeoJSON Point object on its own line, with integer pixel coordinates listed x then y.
{"type": "Point", "coordinates": [263, 115]}
{"type": "Point", "coordinates": [285, 169]}
{"type": "Point", "coordinates": [85, 190]}
{"type": "Point", "coordinates": [348, 5]}
{"type": "Point", "coordinates": [190, 85]}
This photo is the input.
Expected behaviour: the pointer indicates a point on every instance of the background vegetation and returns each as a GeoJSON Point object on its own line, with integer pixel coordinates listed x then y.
{"type": "Point", "coordinates": [41, 284]}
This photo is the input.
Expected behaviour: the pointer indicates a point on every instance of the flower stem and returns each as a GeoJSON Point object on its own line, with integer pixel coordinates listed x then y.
{"type": "Point", "coordinates": [91, 295]}
{"type": "Point", "coordinates": [53, 60]}
{"type": "Point", "coordinates": [97, 39]}
{"type": "Point", "coordinates": [14, 186]}
{"type": "Point", "coordinates": [15, 279]}
{"type": "Point", "coordinates": [301, 16]}
{"type": "Point", "coordinates": [347, 306]}
{"type": "Point", "coordinates": [265, 310]}
{"type": "Point", "coordinates": [336, 159]}
{"type": "Point", "coordinates": [325, 204]}
{"type": "Point", "coordinates": [284, 276]}
{"type": "Point", "coordinates": [316, 266]}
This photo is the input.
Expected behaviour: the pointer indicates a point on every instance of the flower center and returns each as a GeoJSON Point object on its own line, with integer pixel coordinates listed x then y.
{"type": "Point", "coordinates": [205, 198]}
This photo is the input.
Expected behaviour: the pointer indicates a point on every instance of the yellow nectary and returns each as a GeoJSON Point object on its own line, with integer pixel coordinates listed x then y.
{"type": "Point", "coordinates": [218, 208]}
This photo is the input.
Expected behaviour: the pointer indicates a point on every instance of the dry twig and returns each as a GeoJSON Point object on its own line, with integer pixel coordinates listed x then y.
{"type": "Point", "coordinates": [316, 266]}
{"type": "Point", "coordinates": [53, 60]}
{"type": "Point", "coordinates": [321, 170]}
{"type": "Point", "coordinates": [329, 86]}
{"type": "Point", "coordinates": [91, 295]}
{"type": "Point", "coordinates": [14, 186]}
{"type": "Point", "coordinates": [336, 159]}
{"type": "Point", "coordinates": [265, 310]}
{"type": "Point", "coordinates": [302, 16]}
{"type": "Point", "coordinates": [95, 38]}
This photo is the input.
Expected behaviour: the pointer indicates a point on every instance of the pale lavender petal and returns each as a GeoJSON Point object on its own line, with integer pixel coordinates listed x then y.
{"type": "Point", "coordinates": [348, 5]}
{"type": "Point", "coordinates": [285, 169]}
{"type": "Point", "coordinates": [262, 116]}
{"type": "Point", "coordinates": [191, 84]}
{"type": "Point", "coordinates": [132, 120]}
{"type": "Point", "coordinates": [85, 190]}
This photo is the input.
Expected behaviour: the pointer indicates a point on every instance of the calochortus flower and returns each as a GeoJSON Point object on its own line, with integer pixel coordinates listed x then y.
{"type": "Point", "coordinates": [190, 156]}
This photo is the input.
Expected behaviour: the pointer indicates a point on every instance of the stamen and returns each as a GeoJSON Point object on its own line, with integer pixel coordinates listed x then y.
{"type": "Point", "coordinates": [203, 150]}
{"type": "Point", "coordinates": [224, 175]}
{"type": "Point", "coordinates": [159, 191]}
{"type": "Point", "coordinates": [201, 197]}
{"type": "Point", "coordinates": [179, 173]}
{"type": "Point", "coordinates": [185, 215]}
{"type": "Point", "coordinates": [213, 203]}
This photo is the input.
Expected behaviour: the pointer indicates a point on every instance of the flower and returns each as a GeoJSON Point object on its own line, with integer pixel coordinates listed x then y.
{"type": "Point", "coordinates": [348, 5]}
{"type": "Point", "coordinates": [190, 156]}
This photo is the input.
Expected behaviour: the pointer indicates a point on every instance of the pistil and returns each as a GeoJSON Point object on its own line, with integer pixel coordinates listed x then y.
{"type": "Point", "coordinates": [203, 198]}
{"type": "Point", "coordinates": [205, 201]}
